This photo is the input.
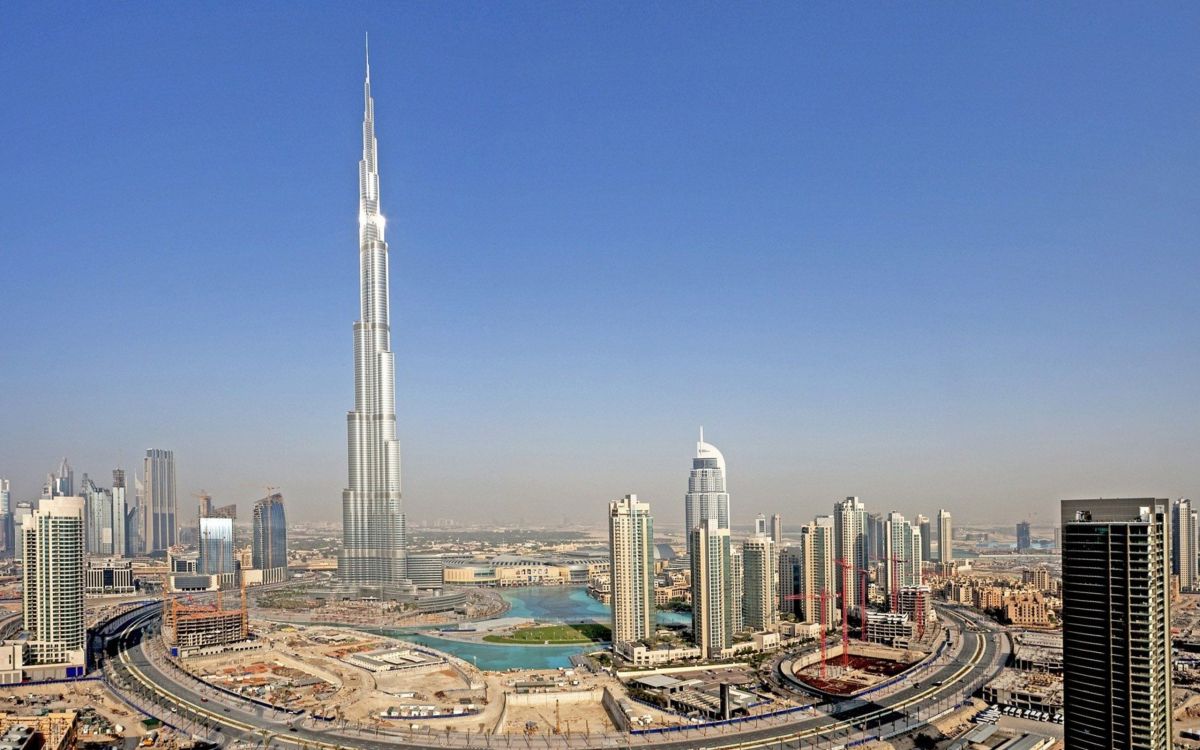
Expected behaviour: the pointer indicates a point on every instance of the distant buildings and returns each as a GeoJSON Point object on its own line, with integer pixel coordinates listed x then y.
{"type": "Point", "coordinates": [1116, 624]}
{"type": "Point", "coordinates": [158, 506]}
{"type": "Point", "coordinates": [706, 496]}
{"type": "Point", "coordinates": [1024, 541]}
{"type": "Point", "coordinates": [712, 589]}
{"type": "Point", "coordinates": [269, 542]}
{"type": "Point", "coordinates": [7, 541]}
{"type": "Point", "coordinates": [52, 546]}
{"type": "Point", "coordinates": [631, 540]}
{"type": "Point", "coordinates": [945, 537]}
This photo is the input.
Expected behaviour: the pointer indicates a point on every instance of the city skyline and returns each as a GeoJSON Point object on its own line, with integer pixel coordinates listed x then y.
{"type": "Point", "coordinates": [883, 336]}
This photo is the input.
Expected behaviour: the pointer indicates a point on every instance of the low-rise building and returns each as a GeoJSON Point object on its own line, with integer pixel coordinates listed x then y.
{"type": "Point", "coordinates": [1040, 691]}
{"type": "Point", "coordinates": [641, 655]}
{"type": "Point", "coordinates": [55, 730]}
{"type": "Point", "coordinates": [1028, 608]}
{"type": "Point", "coordinates": [109, 576]}
{"type": "Point", "coordinates": [1040, 652]}
{"type": "Point", "coordinates": [894, 629]}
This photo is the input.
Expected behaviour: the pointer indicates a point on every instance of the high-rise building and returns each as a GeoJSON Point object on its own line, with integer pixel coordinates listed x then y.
{"type": "Point", "coordinates": [759, 569]}
{"type": "Point", "coordinates": [777, 538]}
{"type": "Point", "coordinates": [158, 515]}
{"type": "Point", "coordinates": [1024, 541]}
{"type": "Point", "coordinates": [216, 547]}
{"type": "Point", "coordinates": [52, 547]}
{"type": "Point", "coordinates": [902, 561]}
{"type": "Point", "coordinates": [809, 570]}
{"type": "Point", "coordinates": [631, 542]}
{"type": "Point", "coordinates": [7, 541]}
{"type": "Point", "coordinates": [945, 537]}
{"type": "Point", "coordinates": [268, 548]}
{"type": "Point", "coordinates": [874, 536]}
{"type": "Point", "coordinates": [712, 588]}
{"type": "Point", "coordinates": [926, 529]}
{"type": "Point", "coordinates": [706, 496]}
{"type": "Point", "coordinates": [373, 530]}
{"type": "Point", "coordinates": [1183, 544]}
{"type": "Point", "coordinates": [98, 517]}
{"type": "Point", "coordinates": [737, 583]}
{"type": "Point", "coordinates": [119, 512]}
{"type": "Point", "coordinates": [760, 524]}
{"type": "Point", "coordinates": [1116, 624]}
{"type": "Point", "coordinates": [850, 544]}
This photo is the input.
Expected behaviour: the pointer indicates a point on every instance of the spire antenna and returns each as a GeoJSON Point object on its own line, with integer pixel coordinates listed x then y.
{"type": "Point", "coordinates": [367, 49]}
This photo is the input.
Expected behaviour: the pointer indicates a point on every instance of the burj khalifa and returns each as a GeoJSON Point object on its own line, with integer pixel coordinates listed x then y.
{"type": "Point", "coordinates": [373, 530]}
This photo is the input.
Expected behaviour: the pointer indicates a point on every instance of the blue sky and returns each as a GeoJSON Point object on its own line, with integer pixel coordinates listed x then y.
{"type": "Point", "coordinates": [935, 255]}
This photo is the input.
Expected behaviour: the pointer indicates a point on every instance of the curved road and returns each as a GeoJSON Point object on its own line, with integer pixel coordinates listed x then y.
{"type": "Point", "coordinates": [206, 712]}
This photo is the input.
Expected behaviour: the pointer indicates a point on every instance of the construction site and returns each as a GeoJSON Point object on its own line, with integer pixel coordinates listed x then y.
{"type": "Point", "coordinates": [192, 627]}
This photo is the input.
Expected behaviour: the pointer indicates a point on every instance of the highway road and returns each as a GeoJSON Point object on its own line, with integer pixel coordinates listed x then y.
{"type": "Point", "coordinates": [142, 674]}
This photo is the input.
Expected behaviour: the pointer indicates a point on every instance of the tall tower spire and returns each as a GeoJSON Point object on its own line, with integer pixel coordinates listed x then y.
{"type": "Point", "coordinates": [373, 550]}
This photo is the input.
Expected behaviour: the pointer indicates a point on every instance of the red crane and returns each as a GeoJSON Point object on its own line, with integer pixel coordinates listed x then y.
{"type": "Point", "coordinates": [821, 597]}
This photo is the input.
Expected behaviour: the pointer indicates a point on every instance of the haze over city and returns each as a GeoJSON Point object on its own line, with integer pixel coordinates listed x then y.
{"type": "Point", "coordinates": [932, 264]}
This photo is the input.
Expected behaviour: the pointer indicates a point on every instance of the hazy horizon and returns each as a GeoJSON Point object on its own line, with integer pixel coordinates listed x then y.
{"type": "Point", "coordinates": [932, 256]}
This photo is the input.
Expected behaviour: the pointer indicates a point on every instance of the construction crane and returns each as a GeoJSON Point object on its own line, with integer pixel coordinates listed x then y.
{"type": "Point", "coordinates": [822, 597]}
{"type": "Point", "coordinates": [862, 613]}
{"type": "Point", "coordinates": [894, 583]}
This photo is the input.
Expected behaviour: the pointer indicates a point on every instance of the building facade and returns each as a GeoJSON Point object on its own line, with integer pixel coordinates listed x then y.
{"type": "Point", "coordinates": [631, 541]}
{"type": "Point", "coordinates": [1117, 624]}
{"type": "Point", "coordinates": [373, 528]}
{"type": "Point", "coordinates": [1024, 538]}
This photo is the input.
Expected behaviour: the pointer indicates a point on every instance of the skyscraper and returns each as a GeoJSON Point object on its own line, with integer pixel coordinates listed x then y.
{"type": "Point", "coordinates": [268, 548]}
{"type": "Point", "coordinates": [7, 541]}
{"type": "Point", "coordinates": [98, 517]}
{"type": "Point", "coordinates": [926, 529]}
{"type": "Point", "coordinates": [850, 544]}
{"type": "Point", "coordinates": [119, 512]}
{"type": "Point", "coordinates": [903, 555]}
{"type": "Point", "coordinates": [945, 537]}
{"type": "Point", "coordinates": [159, 527]}
{"type": "Point", "coordinates": [712, 589]}
{"type": "Point", "coordinates": [1024, 541]}
{"type": "Point", "coordinates": [373, 547]}
{"type": "Point", "coordinates": [777, 538]}
{"type": "Point", "coordinates": [52, 547]}
{"type": "Point", "coordinates": [760, 524]}
{"type": "Point", "coordinates": [758, 590]}
{"type": "Point", "coordinates": [808, 570]}
{"type": "Point", "coordinates": [706, 496]}
{"type": "Point", "coordinates": [216, 546]}
{"type": "Point", "coordinates": [1116, 624]}
{"type": "Point", "coordinates": [631, 542]}
{"type": "Point", "coordinates": [1183, 544]}
{"type": "Point", "coordinates": [737, 585]}
{"type": "Point", "coordinates": [777, 530]}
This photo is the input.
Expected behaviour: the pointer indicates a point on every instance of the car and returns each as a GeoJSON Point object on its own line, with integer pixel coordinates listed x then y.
{"type": "Point", "coordinates": [291, 729]}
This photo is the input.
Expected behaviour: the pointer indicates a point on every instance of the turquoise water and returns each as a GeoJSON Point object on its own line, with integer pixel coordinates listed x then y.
{"type": "Point", "coordinates": [544, 603]}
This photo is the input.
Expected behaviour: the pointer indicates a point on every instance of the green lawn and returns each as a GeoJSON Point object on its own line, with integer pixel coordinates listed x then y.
{"type": "Point", "coordinates": [557, 634]}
